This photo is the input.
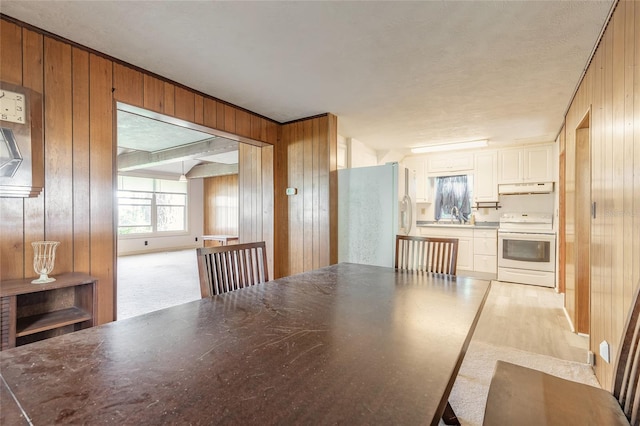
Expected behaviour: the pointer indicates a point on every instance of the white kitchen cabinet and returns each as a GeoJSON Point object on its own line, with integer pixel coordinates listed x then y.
{"type": "Point", "coordinates": [483, 263]}
{"type": "Point", "coordinates": [538, 164]}
{"type": "Point", "coordinates": [449, 164]}
{"type": "Point", "coordinates": [510, 165]}
{"type": "Point", "coordinates": [477, 247]}
{"type": "Point", "coordinates": [526, 164]}
{"type": "Point", "coordinates": [424, 190]}
{"type": "Point", "coordinates": [485, 250]}
{"type": "Point", "coordinates": [485, 180]}
{"type": "Point", "coordinates": [465, 243]}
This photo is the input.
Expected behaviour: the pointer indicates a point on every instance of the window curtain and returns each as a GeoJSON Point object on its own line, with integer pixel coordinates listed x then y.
{"type": "Point", "coordinates": [452, 191]}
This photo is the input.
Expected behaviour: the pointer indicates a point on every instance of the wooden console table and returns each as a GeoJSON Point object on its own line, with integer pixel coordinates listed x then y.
{"type": "Point", "coordinates": [31, 312]}
{"type": "Point", "coordinates": [222, 239]}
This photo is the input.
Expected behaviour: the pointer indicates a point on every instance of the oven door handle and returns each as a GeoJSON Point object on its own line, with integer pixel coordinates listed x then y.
{"type": "Point", "coordinates": [528, 237]}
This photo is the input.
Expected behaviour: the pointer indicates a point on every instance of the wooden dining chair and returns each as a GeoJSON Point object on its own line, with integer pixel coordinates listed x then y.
{"type": "Point", "coordinates": [427, 254]}
{"type": "Point", "coordinates": [227, 268]}
{"type": "Point", "coordinates": [523, 396]}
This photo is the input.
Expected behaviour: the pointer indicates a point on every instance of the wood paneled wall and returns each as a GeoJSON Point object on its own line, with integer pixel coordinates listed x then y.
{"type": "Point", "coordinates": [256, 168]}
{"type": "Point", "coordinates": [76, 205]}
{"type": "Point", "coordinates": [228, 212]}
{"type": "Point", "coordinates": [135, 87]}
{"type": "Point", "coordinates": [80, 88]}
{"type": "Point", "coordinates": [306, 223]}
{"type": "Point", "coordinates": [611, 90]}
{"type": "Point", "coordinates": [221, 205]}
{"type": "Point", "coordinates": [562, 215]}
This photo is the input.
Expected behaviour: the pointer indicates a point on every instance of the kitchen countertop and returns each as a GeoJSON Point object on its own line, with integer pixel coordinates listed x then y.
{"type": "Point", "coordinates": [478, 225]}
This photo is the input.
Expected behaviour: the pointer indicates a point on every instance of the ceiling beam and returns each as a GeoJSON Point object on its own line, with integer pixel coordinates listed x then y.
{"type": "Point", "coordinates": [142, 159]}
{"type": "Point", "coordinates": [212, 169]}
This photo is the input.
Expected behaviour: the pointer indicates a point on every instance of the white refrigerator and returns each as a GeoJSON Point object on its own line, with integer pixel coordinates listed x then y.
{"type": "Point", "coordinates": [374, 205]}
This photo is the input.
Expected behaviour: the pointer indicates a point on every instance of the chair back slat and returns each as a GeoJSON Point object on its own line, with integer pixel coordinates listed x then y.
{"type": "Point", "coordinates": [227, 268]}
{"type": "Point", "coordinates": [626, 382]}
{"type": "Point", "coordinates": [427, 254]}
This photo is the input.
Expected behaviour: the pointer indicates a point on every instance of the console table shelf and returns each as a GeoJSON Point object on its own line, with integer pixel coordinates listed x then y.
{"type": "Point", "coordinates": [50, 320]}
{"type": "Point", "coordinates": [31, 312]}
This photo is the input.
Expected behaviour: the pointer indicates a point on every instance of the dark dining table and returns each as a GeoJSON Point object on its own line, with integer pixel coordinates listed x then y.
{"type": "Point", "coordinates": [349, 344]}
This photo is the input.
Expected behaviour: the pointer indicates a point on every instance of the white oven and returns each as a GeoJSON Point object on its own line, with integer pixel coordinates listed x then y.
{"type": "Point", "coordinates": [527, 249]}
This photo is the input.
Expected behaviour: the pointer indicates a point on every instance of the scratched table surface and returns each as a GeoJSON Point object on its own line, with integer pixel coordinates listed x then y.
{"type": "Point", "coordinates": [349, 344]}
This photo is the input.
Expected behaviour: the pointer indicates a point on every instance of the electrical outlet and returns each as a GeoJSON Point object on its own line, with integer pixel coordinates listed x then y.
{"type": "Point", "coordinates": [604, 351]}
{"type": "Point", "coordinates": [146, 243]}
{"type": "Point", "coordinates": [196, 239]}
{"type": "Point", "coordinates": [423, 210]}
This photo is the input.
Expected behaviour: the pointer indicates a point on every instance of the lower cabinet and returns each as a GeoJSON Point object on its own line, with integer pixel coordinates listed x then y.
{"type": "Point", "coordinates": [465, 243]}
{"type": "Point", "coordinates": [484, 263]}
{"type": "Point", "coordinates": [477, 248]}
{"type": "Point", "coordinates": [485, 250]}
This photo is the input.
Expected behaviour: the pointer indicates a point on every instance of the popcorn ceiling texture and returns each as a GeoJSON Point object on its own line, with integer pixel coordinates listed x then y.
{"type": "Point", "coordinates": [397, 74]}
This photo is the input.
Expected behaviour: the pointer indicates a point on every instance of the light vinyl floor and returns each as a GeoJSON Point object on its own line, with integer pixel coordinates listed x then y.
{"type": "Point", "coordinates": [532, 319]}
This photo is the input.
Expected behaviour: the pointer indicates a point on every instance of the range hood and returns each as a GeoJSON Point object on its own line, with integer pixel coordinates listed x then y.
{"type": "Point", "coordinates": [525, 188]}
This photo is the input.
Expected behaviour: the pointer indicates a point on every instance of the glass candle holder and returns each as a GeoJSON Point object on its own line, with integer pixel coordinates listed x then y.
{"type": "Point", "coordinates": [44, 257]}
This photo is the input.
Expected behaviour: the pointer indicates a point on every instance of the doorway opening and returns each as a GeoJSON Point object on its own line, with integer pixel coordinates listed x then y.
{"type": "Point", "coordinates": [583, 224]}
{"type": "Point", "coordinates": [164, 166]}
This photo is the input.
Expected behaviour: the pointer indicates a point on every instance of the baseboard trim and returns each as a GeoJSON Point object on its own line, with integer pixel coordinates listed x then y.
{"type": "Point", "coordinates": [159, 250]}
{"type": "Point", "coordinates": [566, 314]}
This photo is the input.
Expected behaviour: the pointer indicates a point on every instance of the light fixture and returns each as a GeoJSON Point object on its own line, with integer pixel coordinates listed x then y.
{"type": "Point", "coordinates": [450, 146]}
{"type": "Point", "coordinates": [182, 178]}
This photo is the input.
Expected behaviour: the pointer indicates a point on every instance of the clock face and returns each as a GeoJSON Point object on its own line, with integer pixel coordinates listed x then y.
{"type": "Point", "coordinates": [12, 107]}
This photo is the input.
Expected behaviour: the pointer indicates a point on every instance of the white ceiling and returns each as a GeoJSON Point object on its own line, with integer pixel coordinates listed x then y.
{"type": "Point", "coordinates": [397, 74]}
{"type": "Point", "coordinates": [140, 133]}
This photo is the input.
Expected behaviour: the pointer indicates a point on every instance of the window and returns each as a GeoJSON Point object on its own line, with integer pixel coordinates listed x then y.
{"type": "Point", "coordinates": [147, 205]}
{"type": "Point", "coordinates": [453, 191]}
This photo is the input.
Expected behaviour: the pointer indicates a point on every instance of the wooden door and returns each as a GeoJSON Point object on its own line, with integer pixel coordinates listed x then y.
{"type": "Point", "coordinates": [583, 225]}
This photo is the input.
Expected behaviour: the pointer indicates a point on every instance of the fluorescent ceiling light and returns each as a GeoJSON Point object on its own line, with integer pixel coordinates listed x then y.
{"type": "Point", "coordinates": [450, 146]}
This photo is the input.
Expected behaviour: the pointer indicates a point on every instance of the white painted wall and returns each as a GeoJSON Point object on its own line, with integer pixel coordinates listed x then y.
{"type": "Point", "coordinates": [360, 155]}
{"type": "Point", "coordinates": [343, 150]}
{"type": "Point", "coordinates": [129, 245]}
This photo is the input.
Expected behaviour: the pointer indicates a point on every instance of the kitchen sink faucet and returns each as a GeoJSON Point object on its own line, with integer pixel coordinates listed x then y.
{"type": "Point", "coordinates": [455, 213]}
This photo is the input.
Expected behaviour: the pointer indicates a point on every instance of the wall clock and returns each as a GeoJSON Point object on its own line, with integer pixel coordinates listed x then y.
{"type": "Point", "coordinates": [21, 143]}
{"type": "Point", "coordinates": [12, 106]}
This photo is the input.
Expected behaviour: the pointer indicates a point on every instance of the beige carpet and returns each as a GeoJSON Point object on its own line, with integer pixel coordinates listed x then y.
{"type": "Point", "coordinates": [149, 282]}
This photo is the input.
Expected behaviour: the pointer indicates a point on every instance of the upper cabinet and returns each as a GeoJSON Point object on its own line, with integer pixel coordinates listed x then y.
{"type": "Point", "coordinates": [489, 167]}
{"type": "Point", "coordinates": [485, 182]}
{"type": "Point", "coordinates": [527, 164]}
{"type": "Point", "coordinates": [538, 164]}
{"type": "Point", "coordinates": [449, 164]}
{"type": "Point", "coordinates": [423, 189]}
